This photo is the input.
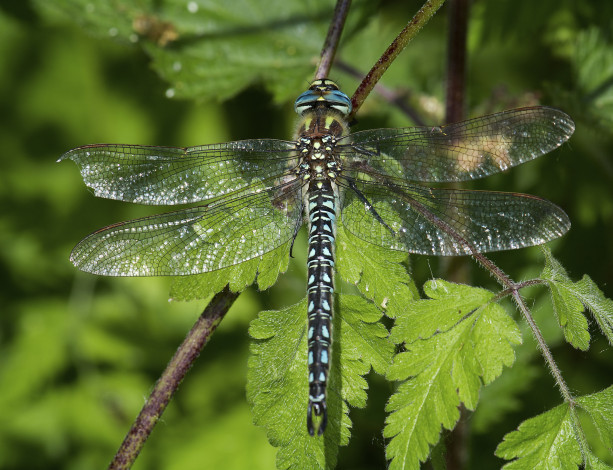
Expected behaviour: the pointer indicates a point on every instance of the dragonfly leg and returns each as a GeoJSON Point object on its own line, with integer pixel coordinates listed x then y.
{"type": "Point", "coordinates": [369, 206]}
{"type": "Point", "coordinates": [296, 230]}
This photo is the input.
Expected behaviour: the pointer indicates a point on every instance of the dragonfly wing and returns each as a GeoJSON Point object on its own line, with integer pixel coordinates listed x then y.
{"type": "Point", "coordinates": [194, 240]}
{"type": "Point", "coordinates": [448, 222]}
{"type": "Point", "coordinates": [173, 175]}
{"type": "Point", "coordinates": [461, 151]}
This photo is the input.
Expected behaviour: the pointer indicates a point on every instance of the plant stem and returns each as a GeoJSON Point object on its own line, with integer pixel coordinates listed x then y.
{"type": "Point", "coordinates": [399, 100]}
{"type": "Point", "coordinates": [457, 268]}
{"type": "Point", "coordinates": [172, 376]}
{"type": "Point", "coordinates": [396, 47]}
{"type": "Point", "coordinates": [331, 44]}
{"type": "Point", "coordinates": [513, 288]}
{"type": "Point", "coordinates": [455, 96]}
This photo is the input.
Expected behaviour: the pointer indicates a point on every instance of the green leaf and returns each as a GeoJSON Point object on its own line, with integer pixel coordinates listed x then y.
{"type": "Point", "coordinates": [277, 384]}
{"type": "Point", "coordinates": [201, 286]}
{"type": "Point", "coordinates": [377, 272]}
{"type": "Point", "coordinates": [567, 307]}
{"type": "Point", "coordinates": [598, 305]}
{"type": "Point", "coordinates": [593, 463]}
{"type": "Point", "coordinates": [565, 298]}
{"type": "Point", "coordinates": [593, 63]}
{"type": "Point", "coordinates": [443, 368]}
{"type": "Point", "coordinates": [600, 408]}
{"type": "Point", "coordinates": [449, 304]}
{"type": "Point", "coordinates": [271, 265]}
{"type": "Point", "coordinates": [363, 340]}
{"type": "Point", "coordinates": [506, 394]}
{"type": "Point", "coordinates": [214, 49]}
{"type": "Point", "coordinates": [544, 442]}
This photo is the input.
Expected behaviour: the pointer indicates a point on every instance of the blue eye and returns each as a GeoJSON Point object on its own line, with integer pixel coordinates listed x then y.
{"type": "Point", "coordinates": [323, 92]}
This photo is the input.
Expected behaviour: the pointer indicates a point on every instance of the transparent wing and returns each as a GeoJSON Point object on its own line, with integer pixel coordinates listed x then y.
{"type": "Point", "coordinates": [172, 175]}
{"type": "Point", "coordinates": [195, 240]}
{"type": "Point", "coordinates": [449, 222]}
{"type": "Point", "coordinates": [460, 151]}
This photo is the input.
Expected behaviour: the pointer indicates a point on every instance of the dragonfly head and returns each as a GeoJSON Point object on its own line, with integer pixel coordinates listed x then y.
{"type": "Point", "coordinates": [325, 93]}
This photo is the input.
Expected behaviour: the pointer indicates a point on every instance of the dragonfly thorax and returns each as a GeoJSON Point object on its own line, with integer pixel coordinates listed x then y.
{"type": "Point", "coordinates": [322, 108]}
{"type": "Point", "coordinates": [317, 158]}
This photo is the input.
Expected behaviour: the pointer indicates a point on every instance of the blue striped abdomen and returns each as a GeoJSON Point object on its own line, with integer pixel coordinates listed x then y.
{"type": "Point", "coordinates": [322, 215]}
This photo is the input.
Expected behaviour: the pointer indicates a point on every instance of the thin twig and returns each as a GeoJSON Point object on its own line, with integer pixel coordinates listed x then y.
{"type": "Point", "coordinates": [406, 35]}
{"type": "Point", "coordinates": [399, 100]}
{"type": "Point", "coordinates": [170, 379]}
{"type": "Point", "coordinates": [518, 286]}
{"type": "Point", "coordinates": [457, 268]}
{"type": "Point", "coordinates": [513, 288]}
{"type": "Point", "coordinates": [332, 39]}
{"type": "Point", "coordinates": [455, 96]}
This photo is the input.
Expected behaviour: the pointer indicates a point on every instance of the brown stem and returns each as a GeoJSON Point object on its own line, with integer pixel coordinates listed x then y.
{"type": "Point", "coordinates": [399, 100]}
{"type": "Point", "coordinates": [457, 268]}
{"type": "Point", "coordinates": [406, 35]}
{"type": "Point", "coordinates": [170, 379]}
{"type": "Point", "coordinates": [456, 60]}
{"type": "Point", "coordinates": [332, 39]}
{"type": "Point", "coordinates": [518, 286]}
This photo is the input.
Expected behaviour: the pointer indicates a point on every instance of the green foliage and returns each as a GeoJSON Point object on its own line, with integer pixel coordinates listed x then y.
{"type": "Point", "coordinates": [567, 307]}
{"type": "Point", "coordinates": [277, 380]}
{"type": "Point", "coordinates": [592, 62]}
{"type": "Point", "coordinates": [570, 297]}
{"type": "Point", "coordinates": [78, 354]}
{"type": "Point", "coordinates": [444, 364]}
{"type": "Point", "coordinates": [265, 269]}
{"type": "Point", "coordinates": [505, 395]}
{"type": "Point", "coordinates": [214, 50]}
{"type": "Point", "coordinates": [544, 442]}
{"type": "Point", "coordinates": [552, 439]}
{"type": "Point", "coordinates": [453, 343]}
{"type": "Point", "coordinates": [599, 406]}
{"type": "Point", "coordinates": [376, 272]}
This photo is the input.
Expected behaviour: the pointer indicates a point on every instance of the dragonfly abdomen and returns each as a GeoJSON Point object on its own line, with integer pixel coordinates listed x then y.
{"type": "Point", "coordinates": [320, 288]}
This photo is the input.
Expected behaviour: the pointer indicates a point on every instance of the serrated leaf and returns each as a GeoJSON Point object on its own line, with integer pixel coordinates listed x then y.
{"type": "Point", "coordinates": [420, 406]}
{"type": "Point", "coordinates": [600, 408]}
{"type": "Point", "coordinates": [544, 442]}
{"type": "Point", "coordinates": [584, 291]}
{"type": "Point", "coordinates": [448, 305]}
{"type": "Point", "coordinates": [377, 272]}
{"type": "Point", "coordinates": [271, 265]}
{"type": "Point", "coordinates": [201, 286]}
{"type": "Point", "coordinates": [505, 394]}
{"type": "Point", "coordinates": [441, 369]}
{"type": "Point", "coordinates": [278, 385]}
{"type": "Point", "coordinates": [569, 311]}
{"type": "Point", "coordinates": [567, 307]}
{"type": "Point", "coordinates": [364, 338]}
{"type": "Point", "coordinates": [599, 306]}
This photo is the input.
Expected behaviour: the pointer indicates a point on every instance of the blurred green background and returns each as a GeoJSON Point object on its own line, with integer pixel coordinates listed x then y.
{"type": "Point", "coordinates": [79, 354]}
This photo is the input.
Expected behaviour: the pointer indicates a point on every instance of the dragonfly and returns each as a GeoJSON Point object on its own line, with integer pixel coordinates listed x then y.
{"type": "Point", "coordinates": [257, 193]}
